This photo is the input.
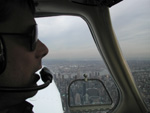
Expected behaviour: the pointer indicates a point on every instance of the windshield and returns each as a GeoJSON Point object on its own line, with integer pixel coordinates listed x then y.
{"type": "Point", "coordinates": [73, 53]}
{"type": "Point", "coordinates": [131, 22]}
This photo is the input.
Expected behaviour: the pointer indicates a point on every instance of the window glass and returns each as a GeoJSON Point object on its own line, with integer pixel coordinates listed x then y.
{"type": "Point", "coordinates": [131, 22]}
{"type": "Point", "coordinates": [73, 53]}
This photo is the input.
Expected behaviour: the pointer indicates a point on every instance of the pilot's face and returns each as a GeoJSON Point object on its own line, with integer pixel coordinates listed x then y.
{"type": "Point", "coordinates": [22, 63]}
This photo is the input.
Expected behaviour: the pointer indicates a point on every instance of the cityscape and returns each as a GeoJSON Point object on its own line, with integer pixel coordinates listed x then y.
{"type": "Point", "coordinates": [71, 76]}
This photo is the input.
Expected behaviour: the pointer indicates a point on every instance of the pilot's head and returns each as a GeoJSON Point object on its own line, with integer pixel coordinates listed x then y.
{"type": "Point", "coordinates": [20, 50]}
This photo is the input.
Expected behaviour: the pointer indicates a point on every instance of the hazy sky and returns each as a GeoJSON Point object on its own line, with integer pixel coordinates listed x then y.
{"type": "Point", "coordinates": [131, 22]}
{"type": "Point", "coordinates": [69, 37]}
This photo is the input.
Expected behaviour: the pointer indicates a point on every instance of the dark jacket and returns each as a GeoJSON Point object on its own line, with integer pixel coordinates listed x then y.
{"type": "Point", "coordinates": [24, 107]}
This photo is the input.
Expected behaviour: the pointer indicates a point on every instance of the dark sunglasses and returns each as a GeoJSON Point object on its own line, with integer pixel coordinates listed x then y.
{"type": "Point", "coordinates": [33, 35]}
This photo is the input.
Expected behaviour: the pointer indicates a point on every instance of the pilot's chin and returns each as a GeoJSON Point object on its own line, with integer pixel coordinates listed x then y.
{"type": "Point", "coordinates": [30, 94]}
{"type": "Point", "coordinates": [36, 78]}
{"type": "Point", "coordinates": [34, 84]}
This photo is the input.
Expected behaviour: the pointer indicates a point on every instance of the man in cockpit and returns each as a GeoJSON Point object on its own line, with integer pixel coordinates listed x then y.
{"type": "Point", "coordinates": [20, 54]}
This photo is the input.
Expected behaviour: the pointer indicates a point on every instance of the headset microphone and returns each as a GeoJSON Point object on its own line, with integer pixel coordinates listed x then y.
{"type": "Point", "coordinates": [46, 78]}
{"type": "Point", "coordinates": [46, 75]}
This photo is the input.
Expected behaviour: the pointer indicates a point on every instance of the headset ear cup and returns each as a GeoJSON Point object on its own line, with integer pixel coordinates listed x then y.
{"type": "Point", "coordinates": [2, 56]}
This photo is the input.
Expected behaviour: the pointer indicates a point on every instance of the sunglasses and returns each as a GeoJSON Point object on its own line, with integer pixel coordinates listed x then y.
{"type": "Point", "coordinates": [33, 35]}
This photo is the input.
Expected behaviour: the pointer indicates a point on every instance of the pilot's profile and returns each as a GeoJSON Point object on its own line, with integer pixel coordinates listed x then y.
{"type": "Point", "coordinates": [21, 53]}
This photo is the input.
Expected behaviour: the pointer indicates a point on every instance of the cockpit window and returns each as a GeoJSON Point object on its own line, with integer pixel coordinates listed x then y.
{"type": "Point", "coordinates": [73, 54]}
{"type": "Point", "coordinates": [132, 26]}
{"type": "Point", "coordinates": [108, 3]}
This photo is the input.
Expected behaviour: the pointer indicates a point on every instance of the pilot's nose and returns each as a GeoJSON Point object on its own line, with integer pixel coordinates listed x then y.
{"type": "Point", "coordinates": [41, 49]}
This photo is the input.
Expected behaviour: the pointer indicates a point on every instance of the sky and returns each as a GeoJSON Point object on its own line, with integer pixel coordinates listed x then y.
{"type": "Point", "coordinates": [68, 37]}
{"type": "Point", "coordinates": [131, 23]}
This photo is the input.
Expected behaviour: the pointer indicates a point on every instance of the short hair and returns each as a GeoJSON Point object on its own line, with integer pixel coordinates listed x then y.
{"type": "Point", "coordinates": [7, 5]}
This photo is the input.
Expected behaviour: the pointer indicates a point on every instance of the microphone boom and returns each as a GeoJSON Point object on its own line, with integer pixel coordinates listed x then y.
{"type": "Point", "coordinates": [46, 78]}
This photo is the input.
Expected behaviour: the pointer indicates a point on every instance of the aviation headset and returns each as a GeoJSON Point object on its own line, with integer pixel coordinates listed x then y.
{"type": "Point", "coordinates": [2, 55]}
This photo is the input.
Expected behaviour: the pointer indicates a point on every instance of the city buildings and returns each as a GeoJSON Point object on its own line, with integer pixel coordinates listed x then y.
{"type": "Point", "coordinates": [65, 72]}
